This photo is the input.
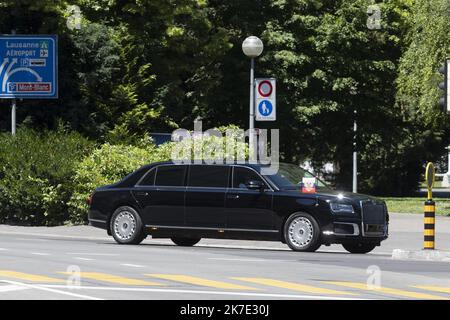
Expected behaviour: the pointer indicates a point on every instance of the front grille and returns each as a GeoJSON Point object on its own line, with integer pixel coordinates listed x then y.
{"type": "Point", "coordinates": [373, 216]}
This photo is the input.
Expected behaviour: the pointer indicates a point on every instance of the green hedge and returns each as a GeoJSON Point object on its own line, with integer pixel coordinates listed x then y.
{"type": "Point", "coordinates": [36, 175]}
{"type": "Point", "coordinates": [45, 178]}
{"type": "Point", "coordinates": [106, 165]}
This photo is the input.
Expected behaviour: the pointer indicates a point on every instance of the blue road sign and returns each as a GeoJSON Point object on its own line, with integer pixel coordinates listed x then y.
{"type": "Point", "coordinates": [28, 66]}
{"type": "Point", "coordinates": [265, 108]}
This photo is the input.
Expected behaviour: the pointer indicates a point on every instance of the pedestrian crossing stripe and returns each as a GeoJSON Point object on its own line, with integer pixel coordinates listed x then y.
{"type": "Point", "coordinates": [28, 276]}
{"type": "Point", "coordinates": [434, 288]}
{"type": "Point", "coordinates": [200, 281]}
{"type": "Point", "coordinates": [389, 291]}
{"type": "Point", "coordinates": [293, 286]}
{"type": "Point", "coordinates": [104, 277]}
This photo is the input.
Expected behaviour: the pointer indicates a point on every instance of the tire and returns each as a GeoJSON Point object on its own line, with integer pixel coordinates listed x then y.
{"type": "Point", "coordinates": [185, 242]}
{"type": "Point", "coordinates": [302, 232]}
{"type": "Point", "coordinates": [359, 247]}
{"type": "Point", "coordinates": [126, 226]}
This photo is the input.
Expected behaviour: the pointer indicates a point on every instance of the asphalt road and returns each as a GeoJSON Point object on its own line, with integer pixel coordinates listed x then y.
{"type": "Point", "coordinates": [83, 263]}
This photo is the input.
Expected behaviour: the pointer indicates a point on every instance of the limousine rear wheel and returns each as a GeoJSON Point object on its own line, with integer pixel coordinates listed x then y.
{"type": "Point", "coordinates": [126, 226]}
{"type": "Point", "coordinates": [302, 232]}
{"type": "Point", "coordinates": [185, 242]}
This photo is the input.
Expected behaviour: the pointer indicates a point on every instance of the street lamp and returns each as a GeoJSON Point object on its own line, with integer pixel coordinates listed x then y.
{"type": "Point", "coordinates": [252, 48]}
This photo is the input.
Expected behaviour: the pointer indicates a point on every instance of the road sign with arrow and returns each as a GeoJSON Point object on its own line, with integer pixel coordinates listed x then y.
{"type": "Point", "coordinates": [29, 67]}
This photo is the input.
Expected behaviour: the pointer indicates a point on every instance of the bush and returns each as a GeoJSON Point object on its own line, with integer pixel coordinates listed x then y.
{"type": "Point", "coordinates": [106, 165]}
{"type": "Point", "coordinates": [110, 163]}
{"type": "Point", "coordinates": [36, 175]}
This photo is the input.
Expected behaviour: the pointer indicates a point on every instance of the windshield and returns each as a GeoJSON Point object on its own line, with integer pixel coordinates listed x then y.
{"type": "Point", "coordinates": [290, 176]}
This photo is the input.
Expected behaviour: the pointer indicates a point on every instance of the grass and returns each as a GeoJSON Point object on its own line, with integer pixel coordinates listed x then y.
{"type": "Point", "coordinates": [437, 184]}
{"type": "Point", "coordinates": [415, 205]}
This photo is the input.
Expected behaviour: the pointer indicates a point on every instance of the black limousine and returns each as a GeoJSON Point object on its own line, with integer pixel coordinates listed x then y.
{"type": "Point", "coordinates": [187, 202]}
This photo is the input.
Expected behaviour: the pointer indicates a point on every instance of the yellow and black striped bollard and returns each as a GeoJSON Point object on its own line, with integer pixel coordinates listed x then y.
{"type": "Point", "coordinates": [428, 232]}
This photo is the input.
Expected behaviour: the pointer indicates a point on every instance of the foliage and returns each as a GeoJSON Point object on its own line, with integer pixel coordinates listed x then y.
{"type": "Point", "coordinates": [136, 67]}
{"type": "Point", "coordinates": [110, 163]}
{"type": "Point", "coordinates": [105, 165]}
{"type": "Point", "coordinates": [415, 205]}
{"type": "Point", "coordinates": [36, 170]}
{"type": "Point", "coordinates": [424, 130]}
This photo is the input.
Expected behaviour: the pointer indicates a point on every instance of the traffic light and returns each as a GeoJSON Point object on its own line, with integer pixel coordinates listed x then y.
{"type": "Point", "coordinates": [444, 101]}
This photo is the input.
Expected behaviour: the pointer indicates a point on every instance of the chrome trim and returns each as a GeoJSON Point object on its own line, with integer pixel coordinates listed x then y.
{"type": "Point", "coordinates": [156, 173]}
{"type": "Point", "coordinates": [208, 228]}
{"type": "Point", "coordinates": [355, 229]}
{"type": "Point", "coordinates": [268, 183]}
{"type": "Point", "coordinates": [97, 220]}
{"type": "Point", "coordinates": [138, 184]}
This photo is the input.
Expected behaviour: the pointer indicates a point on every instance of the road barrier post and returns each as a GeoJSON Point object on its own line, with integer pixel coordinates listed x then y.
{"type": "Point", "coordinates": [429, 218]}
{"type": "Point", "coordinates": [429, 210]}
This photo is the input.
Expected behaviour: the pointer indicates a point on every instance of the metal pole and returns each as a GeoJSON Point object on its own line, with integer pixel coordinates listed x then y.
{"type": "Point", "coordinates": [13, 117]}
{"type": "Point", "coordinates": [13, 108]}
{"type": "Point", "coordinates": [252, 106]}
{"type": "Point", "coordinates": [448, 167]}
{"type": "Point", "coordinates": [355, 156]}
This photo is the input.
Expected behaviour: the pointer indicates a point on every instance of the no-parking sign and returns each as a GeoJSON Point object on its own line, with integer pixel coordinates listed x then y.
{"type": "Point", "coordinates": [265, 99]}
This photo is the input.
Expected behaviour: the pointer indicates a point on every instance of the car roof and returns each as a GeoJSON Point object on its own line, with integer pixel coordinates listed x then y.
{"type": "Point", "coordinates": [206, 162]}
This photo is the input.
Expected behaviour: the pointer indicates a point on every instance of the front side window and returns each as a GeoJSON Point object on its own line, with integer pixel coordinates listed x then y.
{"type": "Point", "coordinates": [208, 176]}
{"type": "Point", "coordinates": [290, 176]}
{"type": "Point", "coordinates": [170, 176]}
{"type": "Point", "coordinates": [242, 175]}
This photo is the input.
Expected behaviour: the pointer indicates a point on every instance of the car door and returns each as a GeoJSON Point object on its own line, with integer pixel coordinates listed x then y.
{"type": "Point", "coordinates": [205, 196]}
{"type": "Point", "coordinates": [161, 195]}
{"type": "Point", "coordinates": [245, 208]}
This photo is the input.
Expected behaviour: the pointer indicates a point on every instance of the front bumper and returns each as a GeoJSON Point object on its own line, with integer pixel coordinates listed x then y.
{"type": "Point", "coordinates": [369, 223]}
{"type": "Point", "coordinates": [354, 231]}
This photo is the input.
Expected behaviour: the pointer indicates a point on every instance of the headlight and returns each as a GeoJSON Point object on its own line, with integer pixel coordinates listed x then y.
{"type": "Point", "coordinates": [337, 207]}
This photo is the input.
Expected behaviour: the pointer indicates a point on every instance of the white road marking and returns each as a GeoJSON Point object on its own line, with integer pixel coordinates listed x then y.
{"type": "Point", "coordinates": [252, 294]}
{"type": "Point", "coordinates": [31, 239]}
{"type": "Point", "coordinates": [8, 288]}
{"type": "Point", "coordinates": [92, 254]}
{"type": "Point", "coordinates": [244, 260]}
{"type": "Point", "coordinates": [43, 288]}
{"type": "Point", "coordinates": [84, 259]}
{"type": "Point", "coordinates": [132, 265]}
{"type": "Point", "coordinates": [40, 253]}
{"type": "Point", "coordinates": [3, 249]}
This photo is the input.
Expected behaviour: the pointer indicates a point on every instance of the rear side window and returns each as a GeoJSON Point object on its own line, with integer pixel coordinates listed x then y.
{"type": "Point", "coordinates": [170, 176]}
{"type": "Point", "coordinates": [208, 176]}
{"type": "Point", "coordinates": [149, 178]}
{"type": "Point", "coordinates": [242, 175]}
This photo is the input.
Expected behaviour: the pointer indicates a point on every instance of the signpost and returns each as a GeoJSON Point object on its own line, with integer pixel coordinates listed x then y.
{"type": "Point", "coordinates": [265, 92]}
{"type": "Point", "coordinates": [28, 69]}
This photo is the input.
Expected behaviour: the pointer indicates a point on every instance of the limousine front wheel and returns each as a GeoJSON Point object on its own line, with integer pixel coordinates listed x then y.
{"type": "Point", "coordinates": [302, 232]}
{"type": "Point", "coordinates": [126, 226]}
{"type": "Point", "coordinates": [185, 242]}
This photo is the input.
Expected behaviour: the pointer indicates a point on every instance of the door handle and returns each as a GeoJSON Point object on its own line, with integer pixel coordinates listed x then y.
{"type": "Point", "coordinates": [233, 196]}
{"type": "Point", "coordinates": [142, 194]}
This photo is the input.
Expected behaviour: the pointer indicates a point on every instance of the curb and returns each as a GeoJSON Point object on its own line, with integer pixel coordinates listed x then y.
{"type": "Point", "coordinates": [424, 255]}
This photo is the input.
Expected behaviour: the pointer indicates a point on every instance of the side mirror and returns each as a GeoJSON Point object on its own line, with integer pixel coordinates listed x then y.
{"type": "Point", "coordinates": [255, 185]}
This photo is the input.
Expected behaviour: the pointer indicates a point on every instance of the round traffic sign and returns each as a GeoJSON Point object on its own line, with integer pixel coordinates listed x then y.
{"type": "Point", "coordinates": [265, 88]}
{"type": "Point", "coordinates": [265, 108]}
